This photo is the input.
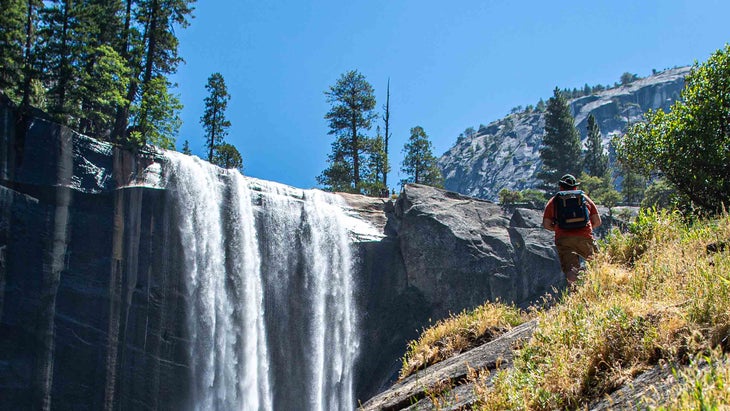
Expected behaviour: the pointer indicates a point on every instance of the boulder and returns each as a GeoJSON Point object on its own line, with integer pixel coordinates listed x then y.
{"type": "Point", "coordinates": [461, 251]}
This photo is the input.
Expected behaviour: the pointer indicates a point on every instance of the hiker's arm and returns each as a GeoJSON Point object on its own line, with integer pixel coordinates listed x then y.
{"type": "Point", "coordinates": [596, 221]}
{"type": "Point", "coordinates": [548, 223]}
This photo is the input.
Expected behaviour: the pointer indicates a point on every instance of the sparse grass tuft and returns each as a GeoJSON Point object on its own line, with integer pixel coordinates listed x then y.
{"type": "Point", "coordinates": [705, 385]}
{"type": "Point", "coordinates": [459, 333]}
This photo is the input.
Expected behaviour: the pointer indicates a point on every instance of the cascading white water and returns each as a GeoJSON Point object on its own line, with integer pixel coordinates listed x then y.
{"type": "Point", "coordinates": [270, 291]}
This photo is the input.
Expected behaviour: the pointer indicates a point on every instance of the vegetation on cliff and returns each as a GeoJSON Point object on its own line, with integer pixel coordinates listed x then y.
{"type": "Point", "coordinates": [459, 333]}
{"type": "Point", "coordinates": [658, 294]}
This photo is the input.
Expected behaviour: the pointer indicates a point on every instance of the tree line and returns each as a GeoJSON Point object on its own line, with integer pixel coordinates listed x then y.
{"type": "Point", "coordinates": [102, 68]}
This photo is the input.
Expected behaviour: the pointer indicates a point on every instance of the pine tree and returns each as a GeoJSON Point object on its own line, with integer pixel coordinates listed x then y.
{"type": "Point", "coordinates": [419, 164]}
{"type": "Point", "coordinates": [633, 185]}
{"type": "Point", "coordinates": [150, 47]}
{"type": "Point", "coordinates": [372, 184]}
{"type": "Point", "coordinates": [595, 159]}
{"type": "Point", "coordinates": [103, 73]}
{"type": "Point", "coordinates": [214, 118]}
{"type": "Point", "coordinates": [186, 148]}
{"type": "Point", "coordinates": [161, 112]}
{"type": "Point", "coordinates": [561, 151]}
{"type": "Point", "coordinates": [227, 156]}
{"type": "Point", "coordinates": [386, 119]}
{"type": "Point", "coordinates": [12, 36]}
{"type": "Point", "coordinates": [353, 101]}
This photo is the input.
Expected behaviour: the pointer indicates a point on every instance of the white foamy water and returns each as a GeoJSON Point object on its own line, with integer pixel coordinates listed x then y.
{"type": "Point", "coordinates": [270, 294]}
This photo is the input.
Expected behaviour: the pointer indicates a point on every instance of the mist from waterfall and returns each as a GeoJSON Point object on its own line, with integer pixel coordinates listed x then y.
{"type": "Point", "coordinates": [270, 295]}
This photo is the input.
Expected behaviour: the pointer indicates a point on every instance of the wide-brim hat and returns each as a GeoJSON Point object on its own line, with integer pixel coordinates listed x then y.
{"type": "Point", "coordinates": [569, 180]}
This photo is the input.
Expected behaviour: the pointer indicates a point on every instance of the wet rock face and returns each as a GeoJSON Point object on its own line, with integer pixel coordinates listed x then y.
{"type": "Point", "coordinates": [91, 310]}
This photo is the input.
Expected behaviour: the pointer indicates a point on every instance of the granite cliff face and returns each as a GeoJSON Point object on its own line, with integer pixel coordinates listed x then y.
{"type": "Point", "coordinates": [96, 305]}
{"type": "Point", "coordinates": [443, 252]}
{"type": "Point", "coordinates": [506, 153]}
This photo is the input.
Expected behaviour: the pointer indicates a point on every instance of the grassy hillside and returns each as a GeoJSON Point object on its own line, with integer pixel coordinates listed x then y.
{"type": "Point", "coordinates": [658, 294]}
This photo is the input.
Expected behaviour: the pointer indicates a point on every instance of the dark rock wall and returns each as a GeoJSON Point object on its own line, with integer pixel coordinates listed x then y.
{"type": "Point", "coordinates": [91, 313]}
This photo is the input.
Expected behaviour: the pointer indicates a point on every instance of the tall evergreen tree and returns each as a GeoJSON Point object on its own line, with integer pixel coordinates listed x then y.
{"type": "Point", "coordinates": [386, 119]}
{"type": "Point", "coordinates": [353, 101]}
{"type": "Point", "coordinates": [186, 148]}
{"type": "Point", "coordinates": [561, 151]}
{"type": "Point", "coordinates": [633, 185]}
{"type": "Point", "coordinates": [372, 184]}
{"type": "Point", "coordinates": [595, 159]}
{"type": "Point", "coordinates": [419, 164]}
{"type": "Point", "coordinates": [161, 112]}
{"type": "Point", "coordinates": [12, 36]}
{"type": "Point", "coordinates": [150, 45]}
{"type": "Point", "coordinates": [82, 69]}
{"type": "Point", "coordinates": [29, 55]}
{"type": "Point", "coordinates": [214, 117]}
{"type": "Point", "coordinates": [103, 71]}
{"type": "Point", "coordinates": [59, 55]}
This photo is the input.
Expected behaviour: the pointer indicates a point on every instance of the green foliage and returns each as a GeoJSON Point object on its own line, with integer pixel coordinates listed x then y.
{"type": "Point", "coordinates": [157, 119]}
{"type": "Point", "coordinates": [214, 119]}
{"type": "Point", "coordinates": [595, 158]}
{"type": "Point", "coordinates": [600, 189]}
{"type": "Point", "coordinates": [227, 156]}
{"type": "Point", "coordinates": [101, 89]}
{"type": "Point", "coordinates": [561, 150]}
{"type": "Point", "coordinates": [338, 176]}
{"type": "Point", "coordinates": [95, 66]}
{"type": "Point", "coordinates": [12, 36]}
{"type": "Point", "coordinates": [661, 194]}
{"type": "Point", "coordinates": [419, 163]}
{"type": "Point", "coordinates": [375, 167]}
{"type": "Point", "coordinates": [507, 196]}
{"type": "Point", "coordinates": [186, 148]}
{"type": "Point", "coordinates": [633, 184]}
{"type": "Point", "coordinates": [353, 100]}
{"type": "Point", "coordinates": [628, 78]}
{"type": "Point", "coordinates": [535, 197]}
{"type": "Point", "coordinates": [690, 145]}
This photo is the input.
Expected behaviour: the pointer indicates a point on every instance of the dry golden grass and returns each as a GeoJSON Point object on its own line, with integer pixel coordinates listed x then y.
{"type": "Point", "coordinates": [654, 294]}
{"type": "Point", "coordinates": [459, 333]}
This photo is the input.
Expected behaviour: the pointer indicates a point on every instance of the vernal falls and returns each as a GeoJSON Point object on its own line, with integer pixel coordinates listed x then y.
{"type": "Point", "coordinates": [270, 293]}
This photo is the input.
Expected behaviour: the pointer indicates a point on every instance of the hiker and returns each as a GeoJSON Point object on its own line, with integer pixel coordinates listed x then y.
{"type": "Point", "coordinates": [573, 216]}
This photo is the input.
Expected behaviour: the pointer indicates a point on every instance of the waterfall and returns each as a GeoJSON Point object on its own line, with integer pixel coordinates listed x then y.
{"type": "Point", "coordinates": [270, 294]}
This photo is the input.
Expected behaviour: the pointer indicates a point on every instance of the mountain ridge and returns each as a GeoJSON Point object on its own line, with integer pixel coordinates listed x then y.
{"type": "Point", "coordinates": [506, 153]}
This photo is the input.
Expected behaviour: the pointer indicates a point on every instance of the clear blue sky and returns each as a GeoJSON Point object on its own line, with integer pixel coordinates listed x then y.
{"type": "Point", "coordinates": [451, 65]}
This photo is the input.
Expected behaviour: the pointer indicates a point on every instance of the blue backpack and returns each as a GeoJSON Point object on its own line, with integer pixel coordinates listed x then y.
{"type": "Point", "coordinates": [571, 209]}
